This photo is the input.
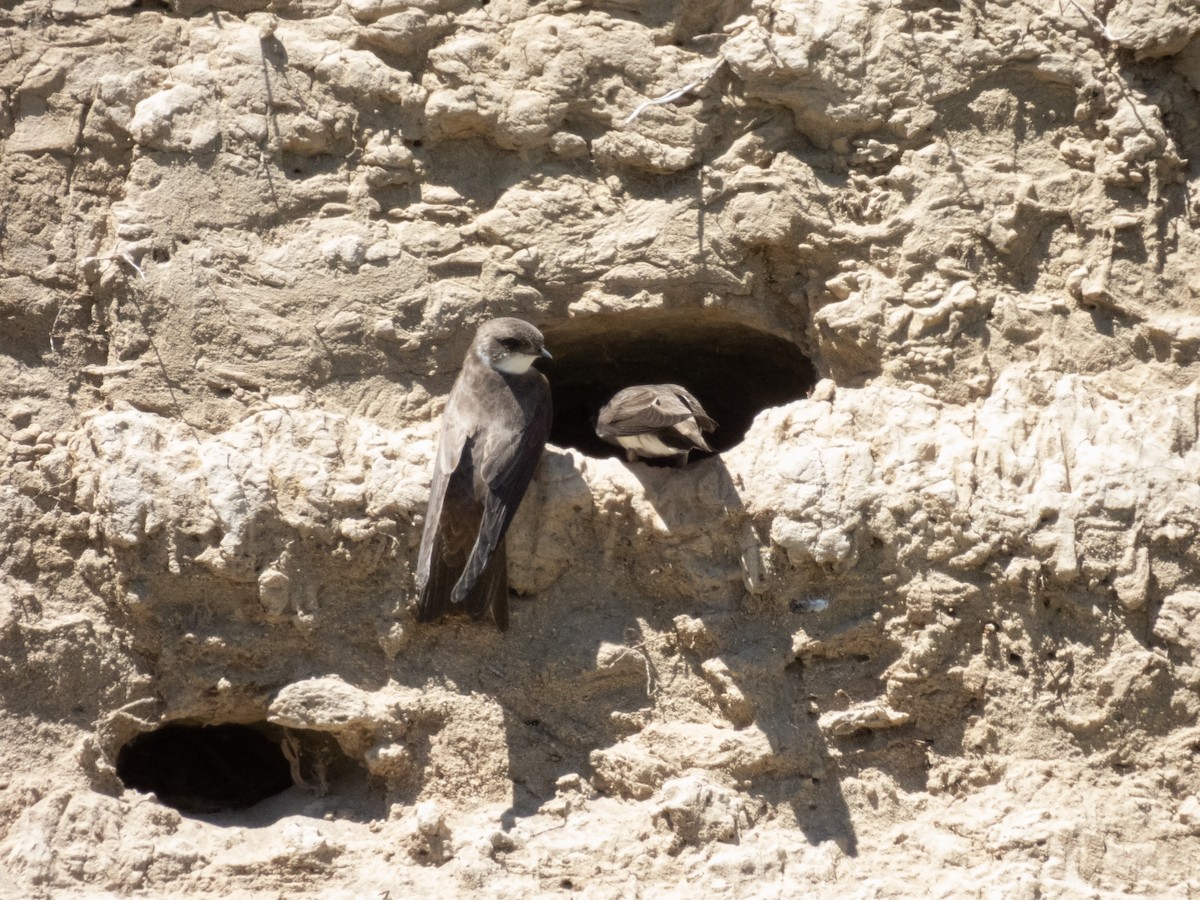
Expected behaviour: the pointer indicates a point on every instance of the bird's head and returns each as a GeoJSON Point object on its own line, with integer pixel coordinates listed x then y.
{"type": "Point", "coordinates": [509, 345]}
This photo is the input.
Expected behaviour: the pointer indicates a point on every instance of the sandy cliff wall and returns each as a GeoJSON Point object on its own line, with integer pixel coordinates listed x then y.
{"type": "Point", "coordinates": [929, 623]}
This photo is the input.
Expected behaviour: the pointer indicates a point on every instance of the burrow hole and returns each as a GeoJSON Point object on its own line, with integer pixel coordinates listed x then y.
{"type": "Point", "coordinates": [735, 371]}
{"type": "Point", "coordinates": [207, 768]}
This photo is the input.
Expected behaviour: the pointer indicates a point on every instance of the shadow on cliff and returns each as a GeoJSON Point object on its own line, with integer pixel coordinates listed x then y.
{"type": "Point", "coordinates": [756, 657]}
{"type": "Point", "coordinates": [555, 705]}
{"type": "Point", "coordinates": [575, 674]}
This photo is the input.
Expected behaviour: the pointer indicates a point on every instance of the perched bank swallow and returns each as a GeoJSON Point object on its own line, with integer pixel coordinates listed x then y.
{"type": "Point", "coordinates": [655, 420]}
{"type": "Point", "coordinates": [493, 430]}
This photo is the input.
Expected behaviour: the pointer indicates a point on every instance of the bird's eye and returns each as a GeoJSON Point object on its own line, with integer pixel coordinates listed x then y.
{"type": "Point", "coordinates": [510, 343]}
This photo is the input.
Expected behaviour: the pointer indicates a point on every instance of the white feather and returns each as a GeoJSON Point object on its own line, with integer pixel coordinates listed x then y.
{"type": "Point", "coordinates": [647, 445]}
{"type": "Point", "coordinates": [514, 363]}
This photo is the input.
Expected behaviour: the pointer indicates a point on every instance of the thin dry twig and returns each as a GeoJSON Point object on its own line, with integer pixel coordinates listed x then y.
{"type": "Point", "coordinates": [1095, 21]}
{"type": "Point", "coordinates": [128, 259]}
{"type": "Point", "coordinates": [292, 751]}
{"type": "Point", "coordinates": [675, 94]}
{"type": "Point", "coordinates": [639, 648]}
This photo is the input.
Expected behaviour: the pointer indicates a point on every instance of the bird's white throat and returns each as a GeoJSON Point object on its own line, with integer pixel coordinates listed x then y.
{"type": "Point", "coordinates": [514, 363]}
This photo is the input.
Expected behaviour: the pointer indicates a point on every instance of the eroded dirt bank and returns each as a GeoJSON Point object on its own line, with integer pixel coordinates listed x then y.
{"type": "Point", "coordinates": [929, 624]}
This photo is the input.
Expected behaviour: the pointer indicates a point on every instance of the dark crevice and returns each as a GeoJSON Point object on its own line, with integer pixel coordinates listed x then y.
{"type": "Point", "coordinates": [734, 370]}
{"type": "Point", "coordinates": [205, 768]}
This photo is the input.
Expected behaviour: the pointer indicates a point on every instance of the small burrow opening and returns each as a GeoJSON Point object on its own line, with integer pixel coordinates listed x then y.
{"type": "Point", "coordinates": [735, 371]}
{"type": "Point", "coordinates": [206, 768]}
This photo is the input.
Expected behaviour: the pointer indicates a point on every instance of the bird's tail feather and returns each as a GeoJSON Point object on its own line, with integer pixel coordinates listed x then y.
{"type": "Point", "coordinates": [490, 591]}
{"type": "Point", "coordinates": [434, 601]}
{"type": "Point", "coordinates": [688, 429]}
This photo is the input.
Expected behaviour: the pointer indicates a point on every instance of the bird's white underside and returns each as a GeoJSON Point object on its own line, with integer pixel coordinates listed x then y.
{"type": "Point", "coordinates": [647, 445]}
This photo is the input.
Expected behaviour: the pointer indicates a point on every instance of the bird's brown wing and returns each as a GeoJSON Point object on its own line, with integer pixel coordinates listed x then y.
{"type": "Point", "coordinates": [491, 590]}
{"type": "Point", "coordinates": [639, 409]}
{"type": "Point", "coordinates": [507, 461]}
{"type": "Point", "coordinates": [452, 516]}
{"type": "Point", "coordinates": [452, 536]}
{"type": "Point", "coordinates": [649, 407]}
{"type": "Point", "coordinates": [685, 397]}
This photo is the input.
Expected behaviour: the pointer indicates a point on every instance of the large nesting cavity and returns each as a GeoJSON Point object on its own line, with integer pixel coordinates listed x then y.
{"type": "Point", "coordinates": [205, 768]}
{"type": "Point", "coordinates": [735, 371]}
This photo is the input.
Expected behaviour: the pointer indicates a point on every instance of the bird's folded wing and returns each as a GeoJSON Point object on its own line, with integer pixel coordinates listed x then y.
{"type": "Point", "coordinates": [450, 449]}
{"type": "Point", "coordinates": [702, 418]}
{"type": "Point", "coordinates": [638, 410]}
{"type": "Point", "coordinates": [507, 465]}
{"type": "Point", "coordinates": [452, 517]}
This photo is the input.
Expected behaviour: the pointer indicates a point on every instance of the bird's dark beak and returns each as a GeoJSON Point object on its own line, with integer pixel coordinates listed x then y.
{"type": "Point", "coordinates": [546, 353]}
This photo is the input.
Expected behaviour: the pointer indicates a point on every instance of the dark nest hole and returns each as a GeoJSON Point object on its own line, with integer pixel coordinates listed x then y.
{"type": "Point", "coordinates": [206, 768]}
{"type": "Point", "coordinates": [733, 370]}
